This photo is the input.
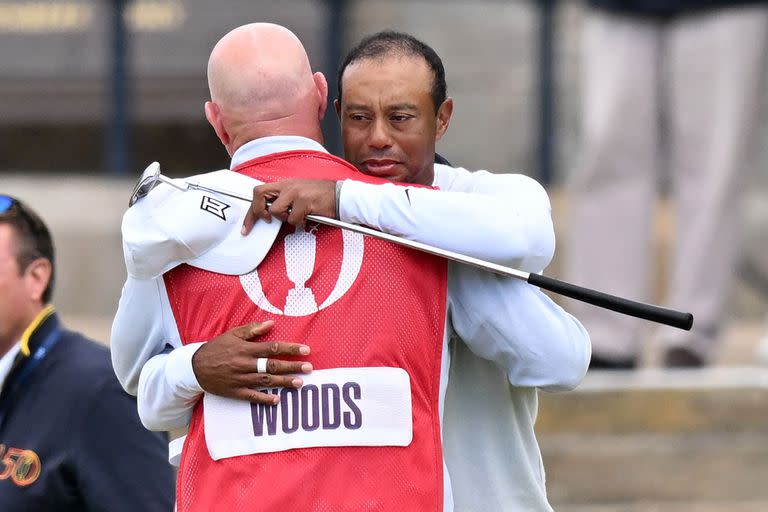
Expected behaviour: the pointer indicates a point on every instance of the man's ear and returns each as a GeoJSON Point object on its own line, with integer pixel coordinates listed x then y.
{"type": "Point", "coordinates": [337, 106]}
{"type": "Point", "coordinates": [213, 115]}
{"type": "Point", "coordinates": [37, 276]}
{"type": "Point", "coordinates": [444, 114]}
{"type": "Point", "coordinates": [322, 89]}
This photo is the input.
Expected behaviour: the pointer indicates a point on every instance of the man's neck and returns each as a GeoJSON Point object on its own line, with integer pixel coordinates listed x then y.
{"type": "Point", "coordinates": [13, 337]}
{"type": "Point", "coordinates": [426, 176]}
{"type": "Point", "coordinates": [264, 129]}
{"type": "Point", "coordinates": [7, 343]}
{"type": "Point", "coordinates": [270, 145]}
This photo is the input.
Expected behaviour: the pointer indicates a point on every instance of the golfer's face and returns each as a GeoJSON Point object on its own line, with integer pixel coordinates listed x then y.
{"type": "Point", "coordinates": [388, 120]}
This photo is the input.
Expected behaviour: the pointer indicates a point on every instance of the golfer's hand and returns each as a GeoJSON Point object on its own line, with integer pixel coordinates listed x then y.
{"type": "Point", "coordinates": [292, 200]}
{"type": "Point", "coordinates": [226, 365]}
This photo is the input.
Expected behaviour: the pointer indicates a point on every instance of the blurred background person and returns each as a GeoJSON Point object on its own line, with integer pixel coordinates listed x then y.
{"type": "Point", "coordinates": [668, 85]}
{"type": "Point", "coordinates": [70, 437]}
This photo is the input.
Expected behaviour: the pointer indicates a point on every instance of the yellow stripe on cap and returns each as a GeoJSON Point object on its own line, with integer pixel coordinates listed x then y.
{"type": "Point", "coordinates": [32, 327]}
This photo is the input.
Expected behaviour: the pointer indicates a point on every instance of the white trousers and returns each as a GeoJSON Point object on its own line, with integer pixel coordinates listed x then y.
{"type": "Point", "coordinates": [698, 77]}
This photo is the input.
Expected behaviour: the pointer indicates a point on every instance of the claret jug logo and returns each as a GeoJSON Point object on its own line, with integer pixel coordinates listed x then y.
{"type": "Point", "coordinates": [301, 252]}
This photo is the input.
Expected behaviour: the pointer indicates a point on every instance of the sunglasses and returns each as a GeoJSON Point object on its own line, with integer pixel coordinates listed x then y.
{"type": "Point", "coordinates": [12, 208]}
{"type": "Point", "coordinates": [6, 202]}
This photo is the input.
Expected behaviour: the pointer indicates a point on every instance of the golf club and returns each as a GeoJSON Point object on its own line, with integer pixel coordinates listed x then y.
{"type": "Point", "coordinates": [152, 177]}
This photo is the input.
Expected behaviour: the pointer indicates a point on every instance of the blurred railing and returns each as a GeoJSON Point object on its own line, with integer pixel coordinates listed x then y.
{"type": "Point", "coordinates": [118, 141]}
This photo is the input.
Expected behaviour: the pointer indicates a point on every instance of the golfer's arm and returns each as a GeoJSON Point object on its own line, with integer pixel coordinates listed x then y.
{"type": "Point", "coordinates": [516, 325]}
{"type": "Point", "coordinates": [508, 222]}
{"type": "Point", "coordinates": [148, 358]}
{"type": "Point", "coordinates": [138, 329]}
{"type": "Point", "coordinates": [168, 389]}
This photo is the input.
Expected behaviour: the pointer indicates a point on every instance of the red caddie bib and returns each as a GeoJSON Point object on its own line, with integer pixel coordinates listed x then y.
{"type": "Point", "coordinates": [363, 433]}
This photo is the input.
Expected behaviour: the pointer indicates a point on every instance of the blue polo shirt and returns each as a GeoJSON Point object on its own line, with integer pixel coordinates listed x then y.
{"type": "Point", "coordinates": [70, 437]}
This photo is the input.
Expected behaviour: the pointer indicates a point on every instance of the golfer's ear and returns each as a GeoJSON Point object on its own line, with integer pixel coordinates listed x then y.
{"type": "Point", "coordinates": [337, 106]}
{"type": "Point", "coordinates": [444, 114]}
{"type": "Point", "coordinates": [213, 115]}
{"type": "Point", "coordinates": [322, 89]}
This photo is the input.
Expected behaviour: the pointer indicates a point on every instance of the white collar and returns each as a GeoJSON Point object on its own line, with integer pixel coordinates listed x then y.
{"type": "Point", "coordinates": [276, 144]}
{"type": "Point", "coordinates": [7, 361]}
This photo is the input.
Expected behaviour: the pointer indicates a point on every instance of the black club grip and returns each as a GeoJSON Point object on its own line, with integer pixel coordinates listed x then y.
{"type": "Point", "coordinates": [678, 319]}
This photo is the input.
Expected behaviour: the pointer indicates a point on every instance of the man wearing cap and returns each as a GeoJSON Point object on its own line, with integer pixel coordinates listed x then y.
{"type": "Point", "coordinates": [70, 438]}
{"type": "Point", "coordinates": [171, 383]}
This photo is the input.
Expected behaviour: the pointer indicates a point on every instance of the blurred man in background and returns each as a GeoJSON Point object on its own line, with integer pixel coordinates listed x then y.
{"type": "Point", "coordinates": [70, 437]}
{"type": "Point", "coordinates": [673, 85]}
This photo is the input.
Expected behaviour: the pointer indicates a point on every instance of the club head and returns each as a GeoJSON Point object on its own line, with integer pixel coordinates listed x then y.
{"type": "Point", "coordinates": [149, 179]}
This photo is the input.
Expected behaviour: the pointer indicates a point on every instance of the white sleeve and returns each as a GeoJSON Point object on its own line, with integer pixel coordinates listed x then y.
{"type": "Point", "coordinates": [140, 329]}
{"type": "Point", "coordinates": [148, 356]}
{"type": "Point", "coordinates": [168, 389]}
{"type": "Point", "coordinates": [516, 325]}
{"type": "Point", "coordinates": [502, 218]}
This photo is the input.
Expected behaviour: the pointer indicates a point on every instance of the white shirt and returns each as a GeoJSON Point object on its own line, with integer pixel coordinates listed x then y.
{"type": "Point", "coordinates": [6, 362]}
{"type": "Point", "coordinates": [500, 218]}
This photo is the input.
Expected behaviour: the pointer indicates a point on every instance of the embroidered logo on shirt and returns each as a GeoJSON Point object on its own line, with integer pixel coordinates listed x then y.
{"type": "Point", "coordinates": [214, 206]}
{"type": "Point", "coordinates": [21, 466]}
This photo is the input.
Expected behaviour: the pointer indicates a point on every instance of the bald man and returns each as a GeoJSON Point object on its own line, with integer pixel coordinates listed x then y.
{"type": "Point", "coordinates": [261, 84]}
{"type": "Point", "coordinates": [362, 430]}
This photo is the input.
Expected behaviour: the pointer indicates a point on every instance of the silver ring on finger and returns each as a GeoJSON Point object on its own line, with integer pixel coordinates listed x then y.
{"type": "Point", "coordinates": [261, 365]}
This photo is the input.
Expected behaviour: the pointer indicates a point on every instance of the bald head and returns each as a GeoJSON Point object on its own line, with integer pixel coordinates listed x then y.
{"type": "Point", "coordinates": [261, 84]}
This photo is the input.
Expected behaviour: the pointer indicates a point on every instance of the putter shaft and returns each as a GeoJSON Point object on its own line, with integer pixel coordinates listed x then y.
{"type": "Point", "coordinates": [679, 319]}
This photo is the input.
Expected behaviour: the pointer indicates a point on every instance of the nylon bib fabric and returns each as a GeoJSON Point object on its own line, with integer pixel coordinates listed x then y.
{"type": "Point", "coordinates": [359, 303]}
